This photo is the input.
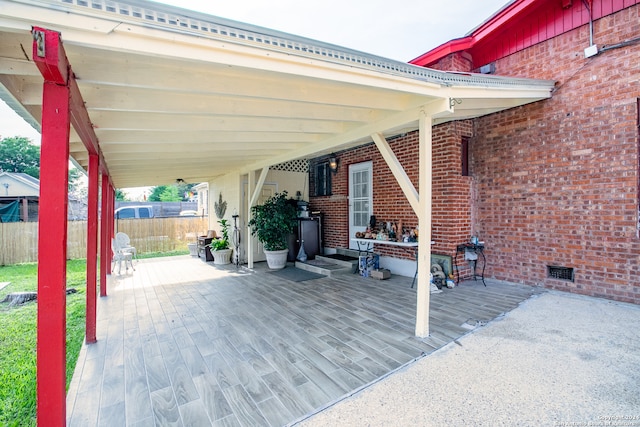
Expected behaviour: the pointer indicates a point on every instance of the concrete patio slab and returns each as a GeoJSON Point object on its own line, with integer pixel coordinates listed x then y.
{"type": "Point", "coordinates": [556, 360]}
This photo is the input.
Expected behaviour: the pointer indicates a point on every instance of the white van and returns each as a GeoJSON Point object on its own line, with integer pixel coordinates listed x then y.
{"type": "Point", "coordinates": [130, 212]}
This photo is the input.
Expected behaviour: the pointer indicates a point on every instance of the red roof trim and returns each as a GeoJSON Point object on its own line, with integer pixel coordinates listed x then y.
{"type": "Point", "coordinates": [497, 21]}
{"type": "Point", "coordinates": [434, 55]}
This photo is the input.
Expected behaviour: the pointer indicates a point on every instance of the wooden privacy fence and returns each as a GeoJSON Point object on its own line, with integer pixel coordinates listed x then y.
{"type": "Point", "coordinates": [19, 240]}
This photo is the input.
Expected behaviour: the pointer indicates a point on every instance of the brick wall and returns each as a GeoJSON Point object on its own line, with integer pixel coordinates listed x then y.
{"type": "Point", "coordinates": [458, 61]}
{"type": "Point", "coordinates": [557, 181]}
{"type": "Point", "coordinates": [554, 183]}
{"type": "Point", "coordinates": [451, 222]}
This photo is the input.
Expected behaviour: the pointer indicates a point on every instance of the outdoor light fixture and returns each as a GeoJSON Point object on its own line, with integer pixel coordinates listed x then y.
{"type": "Point", "coordinates": [333, 163]}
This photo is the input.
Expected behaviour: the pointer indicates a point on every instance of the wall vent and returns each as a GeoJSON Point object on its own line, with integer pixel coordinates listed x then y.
{"type": "Point", "coordinates": [488, 68]}
{"type": "Point", "coordinates": [562, 273]}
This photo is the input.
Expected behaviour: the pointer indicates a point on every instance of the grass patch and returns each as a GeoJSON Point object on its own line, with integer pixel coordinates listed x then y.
{"type": "Point", "coordinates": [18, 339]}
{"type": "Point", "coordinates": [163, 254]}
{"type": "Point", "coordinates": [18, 336]}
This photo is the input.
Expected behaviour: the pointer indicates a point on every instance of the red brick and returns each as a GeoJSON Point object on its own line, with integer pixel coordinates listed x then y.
{"type": "Point", "coordinates": [552, 183]}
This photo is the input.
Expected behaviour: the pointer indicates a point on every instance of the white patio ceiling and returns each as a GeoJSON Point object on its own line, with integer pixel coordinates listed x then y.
{"type": "Point", "coordinates": [177, 94]}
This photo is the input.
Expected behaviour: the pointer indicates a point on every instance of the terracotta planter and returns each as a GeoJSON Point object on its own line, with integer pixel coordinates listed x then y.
{"type": "Point", "coordinates": [277, 260]}
{"type": "Point", "coordinates": [221, 256]}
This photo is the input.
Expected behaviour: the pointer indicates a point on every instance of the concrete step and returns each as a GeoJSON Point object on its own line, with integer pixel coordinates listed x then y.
{"type": "Point", "coordinates": [350, 263]}
{"type": "Point", "coordinates": [325, 266]}
{"type": "Point", "coordinates": [347, 252]}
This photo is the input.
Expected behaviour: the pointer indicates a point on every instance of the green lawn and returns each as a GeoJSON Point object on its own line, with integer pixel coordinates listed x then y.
{"type": "Point", "coordinates": [18, 339]}
{"type": "Point", "coordinates": [163, 254]}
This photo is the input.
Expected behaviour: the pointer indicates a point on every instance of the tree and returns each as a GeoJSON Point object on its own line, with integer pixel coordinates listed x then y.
{"type": "Point", "coordinates": [156, 192]}
{"type": "Point", "coordinates": [19, 155]}
{"type": "Point", "coordinates": [121, 196]}
{"type": "Point", "coordinates": [185, 190]}
{"type": "Point", "coordinates": [77, 183]}
{"type": "Point", "coordinates": [170, 194]}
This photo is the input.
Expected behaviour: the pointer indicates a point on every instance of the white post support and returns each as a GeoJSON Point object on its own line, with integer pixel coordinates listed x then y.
{"type": "Point", "coordinates": [424, 224]}
{"type": "Point", "coordinates": [252, 196]}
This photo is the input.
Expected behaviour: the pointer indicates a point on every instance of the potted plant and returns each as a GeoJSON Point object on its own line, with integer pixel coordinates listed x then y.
{"type": "Point", "coordinates": [271, 223]}
{"type": "Point", "coordinates": [220, 247]}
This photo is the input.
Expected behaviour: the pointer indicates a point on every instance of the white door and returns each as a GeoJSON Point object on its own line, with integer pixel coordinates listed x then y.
{"type": "Point", "coordinates": [268, 190]}
{"type": "Point", "coordinates": [360, 198]}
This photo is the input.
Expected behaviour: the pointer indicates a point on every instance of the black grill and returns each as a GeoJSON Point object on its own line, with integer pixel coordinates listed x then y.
{"type": "Point", "coordinates": [562, 273]}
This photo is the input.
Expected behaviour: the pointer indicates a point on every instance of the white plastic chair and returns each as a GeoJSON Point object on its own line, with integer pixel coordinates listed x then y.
{"type": "Point", "coordinates": [119, 255]}
{"type": "Point", "coordinates": [124, 243]}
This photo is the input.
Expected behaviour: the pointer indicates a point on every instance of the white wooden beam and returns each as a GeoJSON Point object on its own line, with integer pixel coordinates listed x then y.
{"type": "Point", "coordinates": [398, 171]}
{"type": "Point", "coordinates": [194, 157]}
{"type": "Point", "coordinates": [209, 79]}
{"type": "Point", "coordinates": [251, 179]}
{"type": "Point", "coordinates": [438, 106]}
{"type": "Point", "coordinates": [227, 140]}
{"type": "Point", "coordinates": [207, 104]}
{"type": "Point", "coordinates": [252, 196]}
{"type": "Point", "coordinates": [256, 193]}
{"type": "Point", "coordinates": [424, 224]}
{"type": "Point", "coordinates": [25, 89]}
{"type": "Point", "coordinates": [20, 67]}
{"type": "Point", "coordinates": [118, 120]}
{"type": "Point", "coordinates": [221, 149]}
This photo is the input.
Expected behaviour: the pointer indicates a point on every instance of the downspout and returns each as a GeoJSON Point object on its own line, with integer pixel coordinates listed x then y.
{"type": "Point", "coordinates": [588, 6]}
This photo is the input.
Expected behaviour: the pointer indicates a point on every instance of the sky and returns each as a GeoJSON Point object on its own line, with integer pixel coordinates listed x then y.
{"type": "Point", "coordinates": [395, 29]}
{"type": "Point", "coordinates": [398, 29]}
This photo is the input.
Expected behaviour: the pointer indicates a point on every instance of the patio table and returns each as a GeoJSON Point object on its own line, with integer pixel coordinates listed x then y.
{"type": "Point", "coordinates": [365, 246]}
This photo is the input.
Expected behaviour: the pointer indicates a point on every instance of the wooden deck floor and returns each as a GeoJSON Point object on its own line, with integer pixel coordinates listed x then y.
{"type": "Point", "coordinates": [186, 343]}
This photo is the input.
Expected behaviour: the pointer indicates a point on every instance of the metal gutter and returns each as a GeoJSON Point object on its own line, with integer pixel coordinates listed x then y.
{"type": "Point", "coordinates": [169, 18]}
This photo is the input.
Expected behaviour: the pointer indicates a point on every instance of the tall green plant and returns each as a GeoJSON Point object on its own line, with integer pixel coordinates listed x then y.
{"type": "Point", "coordinates": [273, 221]}
{"type": "Point", "coordinates": [222, 243]}
{"type": "Point", "coordinates": [220, 208]}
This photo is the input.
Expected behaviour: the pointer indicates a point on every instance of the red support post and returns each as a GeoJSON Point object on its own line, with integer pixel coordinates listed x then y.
{"type": "Point", "coordinates": [92, 249]}
{"type": "Point", "coordinates": [105, 240]}
{"type": "Point", "coordinates": [111, 222]}
{"type": "Point", "coordinates": [62, 105]}
{"type": "Point", "coordinates": [52, 256]}
{"type": "Point", "coordinates": [50, 59]}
